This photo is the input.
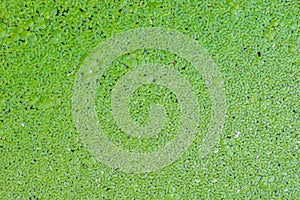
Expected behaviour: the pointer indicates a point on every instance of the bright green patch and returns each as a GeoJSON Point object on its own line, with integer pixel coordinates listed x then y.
{"type": "Point", "coordinates": [255, 46]}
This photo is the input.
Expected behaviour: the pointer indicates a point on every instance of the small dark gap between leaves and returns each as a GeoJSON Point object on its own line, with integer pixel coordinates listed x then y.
{"type": "Point", "coordinates": [259, 54]}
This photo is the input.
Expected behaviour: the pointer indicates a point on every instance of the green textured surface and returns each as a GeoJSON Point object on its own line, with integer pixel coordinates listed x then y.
{"type": "Point", "coordinates": [255, 46]}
